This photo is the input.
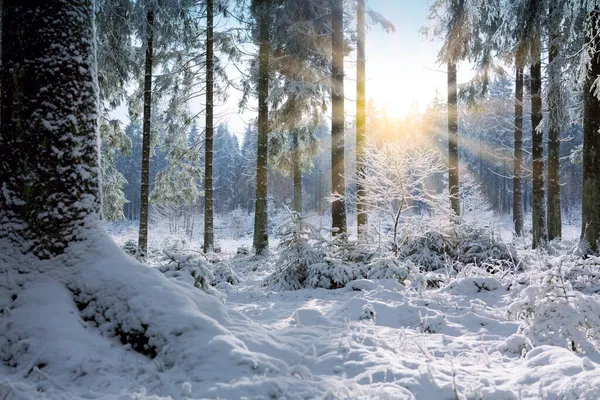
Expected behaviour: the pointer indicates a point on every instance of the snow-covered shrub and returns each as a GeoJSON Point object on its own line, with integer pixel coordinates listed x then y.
{"type": "Point", "coordinates": [190, 269]}
{"type": "Point", "coordinates": [224, 273]}
{"type": "Point", "coordinates": [430, 251]}
{"type": "Point", "coordinates": [458, 245]}
{"type": "Point", "coordinates": [300, 247]}
{"type": "Point", "coordinates": [555, 314]}
{"type": "Point", "coordinates": [341, 263]}
{"type": "Point", "coordinates": [130, 247]}
{"type": "Point", "coordinates": [334, 273]}
{"type": "Point", "coordinates": [388, 267]}
{"type": "Point", "coordinates": [368, 313]}
{"type": "Point", "coordinates": [397, 179]}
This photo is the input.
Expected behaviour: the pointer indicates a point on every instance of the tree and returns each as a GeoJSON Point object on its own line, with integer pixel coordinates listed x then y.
{"type": "Point", "coordinates": [590, 207]}
{"type": "Point", "coordinates": [209, 236]}
{"type": "Point", "coordinates": [538, 212]}
{"type": "Point", "coordinates": [142, 248]}
{"type": "Point", "coordinates": [361, 117]}
{"type": "Point", "coordinates": [458, 22]}
{"type": "Point", "coordinates": [397, 177]}
{"type": "Point", "coordinates": [338, 185]}
{"type": "Point", "coordinates": [50, 194]}
{"type": "Point", "coordinates": [518, 153]}
{"type": "Point", "coordinates": [261, 235]}
{"type": "Point", "coordinates": [555, 120]}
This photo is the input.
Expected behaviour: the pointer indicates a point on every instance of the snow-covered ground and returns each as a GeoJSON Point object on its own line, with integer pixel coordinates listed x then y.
{"type": "Point", "coordinates": [369, 340]}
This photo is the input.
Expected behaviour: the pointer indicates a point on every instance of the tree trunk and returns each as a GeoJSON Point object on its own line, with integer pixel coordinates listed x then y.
{"type": "Point", "coordinates": [209, 238]}
{"type": "Point", "coordinates": [49, 169]}
{"type": "Point", "coordinates": [361, 123]}
{"type": "Point", "coordinates": [538, 213]}
{"type": "Point", "coordinates": [261, 234]}
{"type": "Point", "coordinates": [297, 173]}
{"type": "Point", "coordinates": [590, 206]}
{"type": "Point", "coordinates": [554, 125]}
{"type": "Point", "coordinates": [144, 191]}
{"type": "Point", "coordinates": [338, 184]}
{"type": "Point", "coordinates": [453, 139]}
{"type": "Point", "coordinates": [518, 155]}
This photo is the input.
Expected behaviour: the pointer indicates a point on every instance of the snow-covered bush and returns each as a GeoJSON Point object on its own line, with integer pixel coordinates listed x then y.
{"type": "Point", "coordinates": [300, 247]}
{"type": "Point", "coordinates": [334, 273]}
{"type": "Point", "coordinates": [190, 269]}
{"type": "Point", "coordinates": [398, 178]}
{"type": "Point", "coordinates": [130, 247]}
{"type": "Point", "coordinates": [224, 273]}
{"type": "Point", "coordinates": [553, 313]}
{"type": "Point", "coordinates": [388, 267]}
{"type": "Point", "coordinates": [458, 245]}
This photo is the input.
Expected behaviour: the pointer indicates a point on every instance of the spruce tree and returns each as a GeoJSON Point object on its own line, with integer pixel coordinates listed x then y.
{"type": "Point", "coordinates": [49, 113]}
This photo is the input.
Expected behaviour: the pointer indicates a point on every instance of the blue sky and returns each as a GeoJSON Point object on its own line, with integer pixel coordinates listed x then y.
{"type": "Point", "coordinates": [401, 66]}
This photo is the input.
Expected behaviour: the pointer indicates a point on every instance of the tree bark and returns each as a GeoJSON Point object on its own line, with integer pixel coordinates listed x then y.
{"type": "Point", "coordinates": [49, 169]}
{"type": "Point", "coordinates": [590, 206]}
{"type": "Point", "coordinates": [261, 235]}
{"type": "Point", "coordinates": [144, 191]}
{"type": "Point", "coordinates": [338, 184]}
{"type": "Point", "coordinates": [361, 122]}
{"type": "Point", "coordinates": [297, 173]}
{"type": "Point", "coordinates": [453, 139]}
{"type": "Point", "coordinates": [538, 212]}
{"type": "Point", "coordinates": [209, 238]}
{"type": "Point", "coordinates": [554, 127]}
{"type": "Point", "coordinates": [518, 155]}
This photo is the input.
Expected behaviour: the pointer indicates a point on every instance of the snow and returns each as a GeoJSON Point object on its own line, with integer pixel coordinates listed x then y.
{"type": "Point", "coordinates": [373, 339]}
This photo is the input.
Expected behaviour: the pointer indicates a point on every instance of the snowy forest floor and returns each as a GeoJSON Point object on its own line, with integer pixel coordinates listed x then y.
{"type": "Point", "coordinates": [369, 340]}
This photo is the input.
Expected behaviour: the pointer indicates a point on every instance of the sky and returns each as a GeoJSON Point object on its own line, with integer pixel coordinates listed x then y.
{"type": "Point", "coordinates": [401, 66]}
{"type": "Point", "coordinates": [401, 69]}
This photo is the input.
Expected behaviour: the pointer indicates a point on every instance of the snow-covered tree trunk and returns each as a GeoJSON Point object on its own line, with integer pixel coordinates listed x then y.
{"type": "Point", "coordinates": [261, 234]}
{"type": "Point", "coordinates": [518, 154]}
{"type": "Point", "coordinates": [145, 178]}
{"type": "Point", "coordinates": [538, 212]}
{"type": "Point", "coordinates": [209, 238]}
{"type": "Point", "coordinates": [297, 172]}
{"type": "Point", "coordinates": [590, 207]}
{"type": "Point", "coordinates": [453, 139]}
{"type": "Point", "coordinates": [361, 106]}
{"type": "Point", "coordinates": [554, 127]}
{"type": "Point", "coordinates": [338, 184]}
{"type": "Point", "coordinates": [49, 171]}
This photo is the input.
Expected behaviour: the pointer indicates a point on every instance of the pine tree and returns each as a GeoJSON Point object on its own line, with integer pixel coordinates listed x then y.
{"type": "Point", "coordinates": [590, 207]}
{"type": "Point", "coordinates": [209, 236]}
{"type": "Point", "coordinates": [338, 184]}
{"type": "Point", "coordinates": [538, 212]}
{"type": "Point", "coordinates": [261, 235]}
{"type": "Point", "coordinates": [555, 120]}
{"type": "Point", "coordinates": [361, 122]}
{"type": "Point", "coordinates": [142, 248]}
{"type": "Point", "coordinates": [50, 179]}
{"type": "Point", "coordinates": [518, 153]}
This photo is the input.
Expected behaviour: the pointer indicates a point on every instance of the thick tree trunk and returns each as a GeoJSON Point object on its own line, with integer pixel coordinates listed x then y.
{"type": "Point", "coordinates": [338, 183]}
{"type": "Point", "coordinates": [49, 168]}
{"type": "Point", "coordinates": [538, 212]}
{"type": "Point", "coordinates": [144, 191]}
{"type": "Point", "coordinates": [590, 206]}
{"type": "Point", "coordinates": [554, 125]}
{"type": "Point", "coordinates": [453, 139]}
{"type": "Point", "coordinates": [261, 235]}
{"type": "Point", "coordinates": [518, 155]}
{"type": "Point", "coordinates": [297, 173]}
{"type": "Point", "coordinates": [209, 238]}
{"type": "Point", "coordinates": [361, 123]}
